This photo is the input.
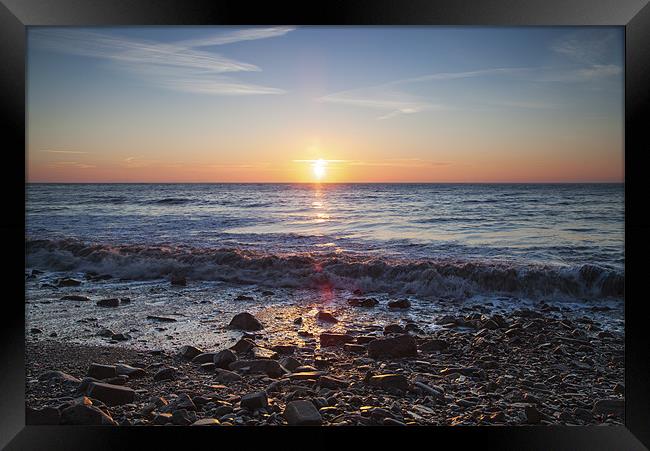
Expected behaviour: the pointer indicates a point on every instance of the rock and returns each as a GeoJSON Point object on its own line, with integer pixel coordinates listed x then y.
{"type": "Point", "coordinates": [112, 302]}
{"type": "Point", "coordinates": [162, 419]}
{"type": "Point", "coordinates": [86, 415]}
{"type": "Point", "coordinates": [393, 329]}
{"type": "Point", "coordinates": [433, 345]}
{"type": "Point", "coordinates": [302, 413]}
{"type": "Point", "coordinates": [245, 321]}
{"type": "Point", "coordinates": [243, 346]}
{"type": "Point", "coordinates": [111, 395]}
{"type": "Point", "coordinates": [428, 390]}
{"type": "Point", "coordinates": [165, 374]}
{"type": "Point", "coordinates": [297, 320]}
{"type": "Point", "coordinates": [120, 337]}
{"type": "Point", "coordinates": [44, 416]}
{"type": "Point", "coordinates": [182, 401]}
{"type": "Point", "coordinates": [269, 367]}
{"type": "Point", "coordinates": [290, 363]}
{"type": "Point", "coordinates": [189, 352]}
{"type": "Point", "coordinates": [117, 380]}
{"type": "Point", "coordinates": [226, 376]}
{"type": "Point", "coordinates": [163, 319]}
{"type": "Point", "coordinates": [181, 417]}
{"type": "Point", "coordinates": [263, 353]}
{"type": "Point", "coordinates": [399, 304]}
{"type": "Point", "coordinates": [365, 339]}
{"type": "Point", "coordinates": [305, 375]}
{"type": "Point", "coordinates": [99, 371]}
{"type": "Point", "coordinates": [327, 339]}
{"type": "Point", "coordinates": [224, 358]}
{"type": "Point", "coordinates": [609, 406]}
{"type": "Point", "coordinates": [354, 348]}
{"type": "Point", "coordinates": [105, 333]}
{"type": "Point", "coordinates": [178, 280]}
{"type": "Point", "coordinates": [395, 381]}
{"type": "Point", "coordinates": [68, 282]}
{"type": "Point", "coordinates": [132, 372]}
{"type": "Point", "coordinates": [59, 376]}
{"type": "Point", "coordinates": [284, 349]}
{"type": "Point", "coordinates": [533, 416]}
{"type": "Point", "coordinates": [333, 383]}
{"type": "Point", "coordinates": [254, 401]}
{"type": "Point", "coordinates": [243, 297]}
{"type": "Point", "coordinates": [208, 367]}
{"type": "Point", "coordinates": [125, 300]}
{"type": "Point", "coordinates": [35, 330]}
{"type": "Point", "coordinates": [75, 297]}
{"type": "Point", "coordinates": [204, 357]}
{"type": "Point", "coordinates": [393, 347]}
{"type": "Point", "coordinates": [363, 302]}
{"type": "Point", "coordinates": [619, 389]}
{"type": "Point", "coordinates": [326, 317]}
{"type": "Point", "coordinates": [206, 422]}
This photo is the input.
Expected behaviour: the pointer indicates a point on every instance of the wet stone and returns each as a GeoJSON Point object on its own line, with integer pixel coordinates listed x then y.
{"type": "Point", "coordinates": [302, 413]}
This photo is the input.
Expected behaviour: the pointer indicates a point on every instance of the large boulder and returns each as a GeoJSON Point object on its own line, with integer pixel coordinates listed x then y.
{"type": "Point", "coordinates": [111, 395]}
{"type": "Point", "coordinates": [245, 321]}
{"type": "Point", "coordinates": [302, 413]}
{"type": "Point", "coordinates": [393, 347]}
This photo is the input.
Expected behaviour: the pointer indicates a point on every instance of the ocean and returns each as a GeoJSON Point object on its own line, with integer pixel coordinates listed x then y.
{"type": "Point", "coordinates": [539, 241]}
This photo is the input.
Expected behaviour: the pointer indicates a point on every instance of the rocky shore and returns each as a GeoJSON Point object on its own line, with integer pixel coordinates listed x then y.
{"type": "Point", "coordinates": [290, 365]}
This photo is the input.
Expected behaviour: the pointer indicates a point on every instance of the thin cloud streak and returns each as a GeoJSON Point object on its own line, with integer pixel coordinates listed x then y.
{"type": "Point", "coordinates": [75, 152]}
{"type": "Point", "coordinates": [176, 66]}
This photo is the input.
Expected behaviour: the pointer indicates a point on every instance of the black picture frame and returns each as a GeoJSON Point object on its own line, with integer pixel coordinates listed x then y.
{"type": "Point", "coordinates": [633, 15]}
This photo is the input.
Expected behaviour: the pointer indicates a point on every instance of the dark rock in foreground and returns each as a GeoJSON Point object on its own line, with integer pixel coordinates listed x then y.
{"type": "Point", "coordinates": [269, 367]}
{"type": "Point", "coordinates": [245, 321]}
{"type": "Point", "coordinates": [363, 302]}
{"type": "Point", "coordinates": [400, 304]}
{"type": "Point", "coordinates": [86, 415]}
{"type": "Point", "coordinates": [396, 381]}
{"type": "Point", "coordinates": [75, 297]}
{"type": "Point", "coordinates": [99, 371]}
{"type": "Point", "coordinates": [394, 347]}
{"type": "Point", "coordinates": [254, 401]}
{"type": "Point", "coordinates": [189, 352]}
{"type": "Point", "coordinates": [111, 395]}
{"type": "Point", "coordinates": [224, 358]}
{"type": "Point", "coordinates": [335, 339]}
{"type": "Point", "coordinates": [302, 413]}
{"type": "Point", "coordinates": [113, 302]}
{"type": "Point", "coordinates": [326, 317]}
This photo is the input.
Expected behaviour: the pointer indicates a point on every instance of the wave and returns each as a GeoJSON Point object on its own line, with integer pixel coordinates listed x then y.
{"type": "Point", "coordinates": [171, 201]}
{"type": "Point", "coordinates": [352, 272]}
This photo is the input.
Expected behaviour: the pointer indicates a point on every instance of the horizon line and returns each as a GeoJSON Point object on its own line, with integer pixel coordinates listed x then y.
{"type": "Point", "coordinates": [334, 183]}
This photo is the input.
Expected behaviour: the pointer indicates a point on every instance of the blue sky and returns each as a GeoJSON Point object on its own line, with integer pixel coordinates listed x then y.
{"type": "Point", "coordinates": [110, 103]}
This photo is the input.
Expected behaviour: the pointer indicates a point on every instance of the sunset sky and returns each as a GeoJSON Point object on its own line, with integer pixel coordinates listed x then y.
{"type": "Point", "coordinates": [301, 104]}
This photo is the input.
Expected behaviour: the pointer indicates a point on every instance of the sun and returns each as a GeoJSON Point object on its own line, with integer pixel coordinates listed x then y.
{"type": "Point", "coordinates": [319, 168]}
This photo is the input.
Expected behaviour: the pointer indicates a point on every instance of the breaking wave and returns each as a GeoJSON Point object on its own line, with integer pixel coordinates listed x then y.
{"type": "Point", "coordinates": [367, 274]}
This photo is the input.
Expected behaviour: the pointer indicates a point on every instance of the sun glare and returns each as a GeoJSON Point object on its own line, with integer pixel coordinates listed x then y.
{"type": "Point", "coordinates": [319, 168]}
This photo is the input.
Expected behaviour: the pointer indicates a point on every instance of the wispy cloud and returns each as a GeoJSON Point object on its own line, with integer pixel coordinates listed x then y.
{"type": "Point", "coordinates": [67, 152]}
{"type": "Point", "coordinates": [179, 66]}
{"type": "Point", "coordinates": [72, 164]}
{"type": "Point", "coordinates": [587, 46]}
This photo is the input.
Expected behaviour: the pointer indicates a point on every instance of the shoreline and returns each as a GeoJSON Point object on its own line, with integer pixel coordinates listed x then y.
{"type": "Point", "coordinates": [479, 365]}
